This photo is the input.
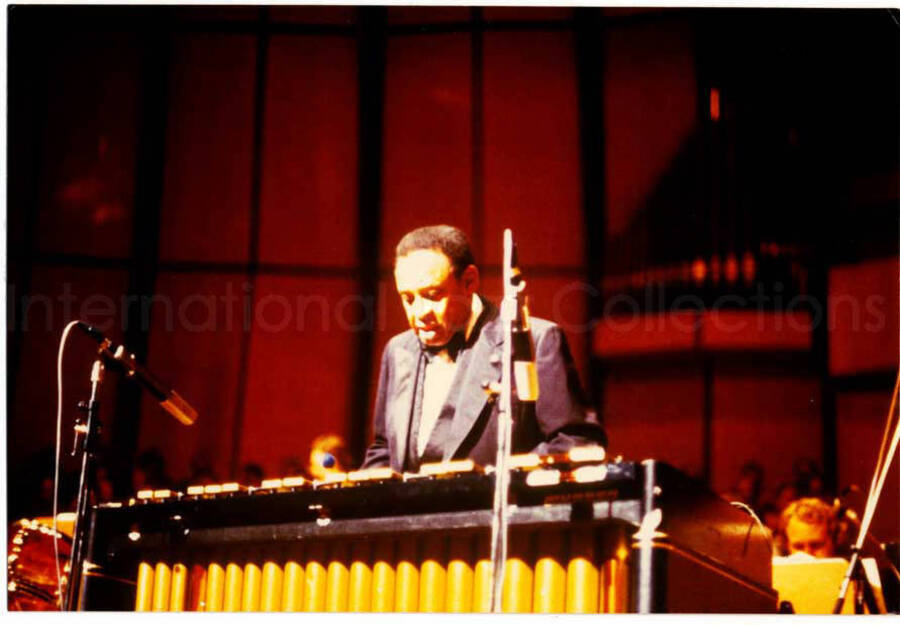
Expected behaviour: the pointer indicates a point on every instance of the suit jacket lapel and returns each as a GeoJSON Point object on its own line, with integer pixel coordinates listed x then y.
{"type": "Point", "coordinates": [484, 366]}
{"type": "Point", "coordinates": [398, 409]}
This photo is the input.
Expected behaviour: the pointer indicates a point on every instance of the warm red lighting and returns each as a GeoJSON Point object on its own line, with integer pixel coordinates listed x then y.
{"type": "Point", "coordinates": [698, 271]}
{"type": "Point", "coordinates": [106, 212]}
{"type": "Point", "coordinates": [748, 264]}
{"type": "Point", "coordinates": [714, 104]}
{"type": "Point", "coordinates": [673, 273]}
{"type": "Point", "coordinates": [731, 269]}
{"type": "Point", "coordinates": [715, 269]}
{"type": "Point", "coordinates": [638, 279]}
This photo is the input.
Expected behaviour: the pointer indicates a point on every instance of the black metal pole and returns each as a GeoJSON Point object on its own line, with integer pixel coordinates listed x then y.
{"type": "Point", "coordinates": [589, 36]}
{"type": "Point", "coordinates": [86, 432]}
{"type": "Point", "coordinates": [155, 45]}
{"type": "Point", "coordinates": [372, 46]}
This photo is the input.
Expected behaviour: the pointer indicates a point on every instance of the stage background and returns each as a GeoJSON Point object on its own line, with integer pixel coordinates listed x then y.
{"type": "Point", "coordinates": [222, 188]}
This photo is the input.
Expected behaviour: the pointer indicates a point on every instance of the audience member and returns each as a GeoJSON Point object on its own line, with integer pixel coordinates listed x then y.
{"type": "Point", "coordinates": [251, 475]}
{"type": "Point", "coordinates": [749, 485]}
{"type": "Point", "coordinates": [202, 473]}
{"type": "Point", "coordinates": [784, 495]}
{"type": "Point", "coordinates": [808, 478]}
{"type": "Point", "coordinates": [150, 471]}
{"type": "Point", "coordinates": [103, 486]}
{"type": "Point", "coordinates": [327, 455]}
{"type": "Point", "coordinates": [291, 466]}
{"type": "Point", "coordinates": [809, 526]}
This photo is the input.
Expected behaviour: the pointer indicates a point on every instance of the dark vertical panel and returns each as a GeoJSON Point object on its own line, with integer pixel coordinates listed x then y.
{"type": "Point", "coordinates": [59, 295]}
{"type": "Point", "coordinates": [26, 127]}
{"type": "Point", "coordinates": [148, 189]}
{"type": "Point", "coordinates": [371, 61]}
{"type": "Point", "coordinates": [88, 189]}
{"type": "Point", "coordinates": [589, 37]}
{"type": "Point", "coordinates": [71, 148]}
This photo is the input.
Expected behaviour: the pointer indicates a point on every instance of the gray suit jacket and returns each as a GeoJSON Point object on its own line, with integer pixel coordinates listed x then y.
{"type": "Point", "coordinates": [553, 425]}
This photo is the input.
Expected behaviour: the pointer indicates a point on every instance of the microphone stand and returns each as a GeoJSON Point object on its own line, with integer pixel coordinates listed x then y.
{"type": "Point", "coordinates": [87, 429]}
{"type": "Point", "coordinates": [509, 315]}
{"type": "Point", "coordinates": [882, 466]}
{"type": "Point", "coordinates": [86, 433]}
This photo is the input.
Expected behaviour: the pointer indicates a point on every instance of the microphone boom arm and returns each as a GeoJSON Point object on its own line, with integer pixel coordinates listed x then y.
{"type": "Point", "coordinates": [169, 400]}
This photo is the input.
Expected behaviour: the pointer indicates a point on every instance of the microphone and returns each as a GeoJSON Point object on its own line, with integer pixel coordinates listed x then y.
{"type": "Point", "coordinates": [523, 356]}
{"type": "Point", "coordinates": [169, 400]}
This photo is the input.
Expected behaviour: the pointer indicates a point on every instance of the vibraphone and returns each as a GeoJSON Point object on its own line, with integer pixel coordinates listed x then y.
{"type": "Point", "coordinates": [585, 536]}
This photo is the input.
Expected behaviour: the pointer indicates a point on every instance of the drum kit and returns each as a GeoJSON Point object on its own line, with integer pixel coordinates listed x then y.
{"type": "Point", "coordinates": [32, 562]}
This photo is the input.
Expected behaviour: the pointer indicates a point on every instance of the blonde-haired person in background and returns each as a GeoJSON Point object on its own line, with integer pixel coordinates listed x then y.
{"type": "Point", "coordinates": [809, 525]}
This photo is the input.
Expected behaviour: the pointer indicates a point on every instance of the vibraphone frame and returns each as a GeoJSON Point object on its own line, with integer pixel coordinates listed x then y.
{"type": "Point", "coordinates": [703, 556]}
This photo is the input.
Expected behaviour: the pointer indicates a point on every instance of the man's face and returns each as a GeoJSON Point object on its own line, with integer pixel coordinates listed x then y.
{"type": "Point", "coordinates": [812, 539]}
{"type": "Point", "coordinates": [436, 302]}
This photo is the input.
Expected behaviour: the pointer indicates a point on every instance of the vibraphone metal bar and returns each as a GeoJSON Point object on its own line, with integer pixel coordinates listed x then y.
{"type": "Point", "coordinates": [345, 546]}
{"type": "Point", "coordinates": [548, 571]}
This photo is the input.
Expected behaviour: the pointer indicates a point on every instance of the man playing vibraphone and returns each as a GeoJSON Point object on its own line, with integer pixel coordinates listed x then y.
{"type": "Point", "coordinates": [431, 404]}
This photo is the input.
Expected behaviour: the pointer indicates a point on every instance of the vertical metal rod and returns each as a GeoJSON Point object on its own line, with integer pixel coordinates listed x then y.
{"type": "Point", "coordinates": [78, 532]}
{"type": "Point", "coordinates": [371, 58]}
{"type": "Point", "coordinates": [500, 520]}
{"type": "Point", "coordinates": [882, 467]}
{"type": "Point", "coordinates": [645, 545]}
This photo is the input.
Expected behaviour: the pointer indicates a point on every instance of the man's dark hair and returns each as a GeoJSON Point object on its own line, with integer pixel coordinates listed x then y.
{"type": "Point", "coordinates": [450, 241]}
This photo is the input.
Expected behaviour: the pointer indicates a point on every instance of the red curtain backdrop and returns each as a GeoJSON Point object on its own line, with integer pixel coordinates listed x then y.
{"type": "Point", "coordinates": [260, 213]}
